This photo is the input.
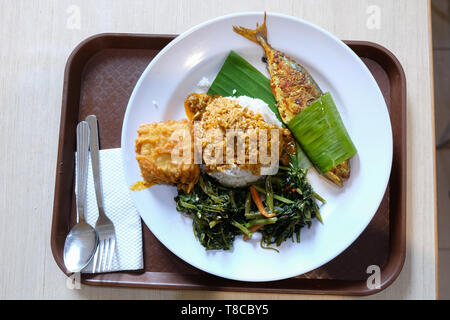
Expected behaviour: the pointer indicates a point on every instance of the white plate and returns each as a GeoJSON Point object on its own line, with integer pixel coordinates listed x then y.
{"type": "Point", "coordinates": [200, 51]}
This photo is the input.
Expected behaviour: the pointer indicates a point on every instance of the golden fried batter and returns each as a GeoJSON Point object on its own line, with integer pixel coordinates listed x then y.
{"type": "Point", "coordinates": [227, 115]}
{"type": "Point", "coordinates": [223, 113]}
{"type": "Point", "coordinates": [155, 145]}
{"type": "Point", "coordinates": [195, 104]}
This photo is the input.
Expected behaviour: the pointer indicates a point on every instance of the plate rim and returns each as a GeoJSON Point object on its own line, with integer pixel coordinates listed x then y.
{"type": "Point", "coordinates": [191, 30]}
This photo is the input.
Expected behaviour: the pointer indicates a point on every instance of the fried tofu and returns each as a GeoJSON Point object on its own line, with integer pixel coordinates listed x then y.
{"type": "Point", "coordinates": [164, 151]}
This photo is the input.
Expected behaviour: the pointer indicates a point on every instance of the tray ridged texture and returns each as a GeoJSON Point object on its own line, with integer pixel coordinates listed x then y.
{"type": "Point", "coordinates": [105, 76]}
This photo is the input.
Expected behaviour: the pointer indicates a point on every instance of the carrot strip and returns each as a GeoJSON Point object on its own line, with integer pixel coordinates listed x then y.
{"type": "Point", "coordinates": [253, 229]}
{"type": "Point", "coordinates": [259, 204]}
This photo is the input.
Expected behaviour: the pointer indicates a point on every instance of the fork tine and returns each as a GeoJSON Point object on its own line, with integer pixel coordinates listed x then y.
{"type": "Point", "coordinates": [100, 255]}
{"type": "Point", "coordinates": [94, 265]}
{"type": "Point", "coordinates": [105, 256]}
{"type": "Point", "coordinates": [104, 225]}
{"type": "Point", "coordinates": [113, 246]}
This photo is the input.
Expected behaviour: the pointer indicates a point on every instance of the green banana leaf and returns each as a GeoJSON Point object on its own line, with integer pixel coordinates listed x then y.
{"type": "Point", "coordinates": [322, 135]}
{"type": "Point", "coordinates": [238, 78]}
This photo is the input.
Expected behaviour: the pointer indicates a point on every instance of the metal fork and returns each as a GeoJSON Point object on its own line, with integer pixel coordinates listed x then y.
{"type": "Point", "coordinates": [104, 226]}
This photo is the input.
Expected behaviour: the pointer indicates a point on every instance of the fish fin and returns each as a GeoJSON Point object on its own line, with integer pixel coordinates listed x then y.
{"type": "Point", "coordinates": [333, 178]}
{"type": "Point", "coordinates": [253, 35]}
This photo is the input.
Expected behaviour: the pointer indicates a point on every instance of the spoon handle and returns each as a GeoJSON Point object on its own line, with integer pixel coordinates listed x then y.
{"type": "Point", "coordinates": [82, 166]}
{"type": "Point", "coordinates": [95, 161]}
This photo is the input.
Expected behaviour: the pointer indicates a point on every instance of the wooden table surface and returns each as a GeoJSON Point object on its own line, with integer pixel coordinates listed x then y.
{"type": "Point", "coordinates": [36, 37]}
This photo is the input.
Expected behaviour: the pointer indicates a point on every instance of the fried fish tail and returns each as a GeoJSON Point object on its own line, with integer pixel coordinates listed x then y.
{"type": "Point", "coordinates": [258, 35]}
{"type": "Point", "coordinates": [339, 173]}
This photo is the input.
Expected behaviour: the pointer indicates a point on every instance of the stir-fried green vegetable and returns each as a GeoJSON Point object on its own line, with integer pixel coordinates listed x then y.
{"type": "Point", "coordinates": [217, 212]}
{"type": "Point", "coordinates": [295, 206]}
{"type": "Point", "coordinates": [220, 213]}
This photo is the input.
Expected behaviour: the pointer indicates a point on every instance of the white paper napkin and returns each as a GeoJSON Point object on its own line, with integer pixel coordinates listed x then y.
{"type": "Point", "coordinates": [119, 208]}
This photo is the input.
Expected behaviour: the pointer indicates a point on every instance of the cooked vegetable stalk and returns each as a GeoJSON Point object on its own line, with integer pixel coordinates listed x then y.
{"type": "Point", "coordinates": [275, 196]}
{"type": "Point", "coordinates": [259, 204]}
{"type": "Point", "coordinates": [248, 204]}
{"type": "Point", "coordinates": [260, 222]}
{"type": "Point", "coordinates": [253, 216]}
{"type": "Point", "coordinates": [269, 193]}
{"type": "Point", "coordinates": [253, 229]}
{"type": "Point", "coordinates": [257, 224]}
{"type": "Point", "coordinates": [242, 228]}
{"type": "Point", "coordinates": [322, 135]}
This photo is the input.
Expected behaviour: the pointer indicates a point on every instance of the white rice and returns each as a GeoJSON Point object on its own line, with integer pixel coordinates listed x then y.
{"type": "Point", "coordinates": [204, 84]}
{"type": "Point", "coordinates": [258, 106]}
{"type": "Point", "coordinates": [236, 177]}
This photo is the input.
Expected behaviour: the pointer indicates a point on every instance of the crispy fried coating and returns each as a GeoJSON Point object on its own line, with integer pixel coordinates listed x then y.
{"type": "Point", "coordinates": [155, 147]}
{"type": "Point", "coordinates": [195, 104]}
{"type": "Point", "coordinates": [222, 116]}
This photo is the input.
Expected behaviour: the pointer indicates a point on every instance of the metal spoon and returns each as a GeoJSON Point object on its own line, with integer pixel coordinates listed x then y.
{"type": "Point", "coordinates": [82, 240]}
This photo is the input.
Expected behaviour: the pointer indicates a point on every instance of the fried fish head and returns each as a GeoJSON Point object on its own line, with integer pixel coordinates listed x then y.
{"type": "Point", "coordinates": [165, 153]}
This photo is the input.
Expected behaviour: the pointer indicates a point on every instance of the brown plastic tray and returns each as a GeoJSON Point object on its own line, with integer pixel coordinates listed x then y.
{"type": "Point", "coordinates": [99, 77]}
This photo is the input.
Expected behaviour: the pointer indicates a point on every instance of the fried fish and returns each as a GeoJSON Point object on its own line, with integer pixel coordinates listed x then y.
{"type": "Point", "coordinates": [292, 86]}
